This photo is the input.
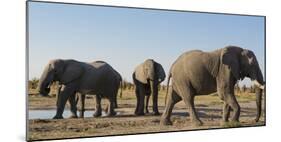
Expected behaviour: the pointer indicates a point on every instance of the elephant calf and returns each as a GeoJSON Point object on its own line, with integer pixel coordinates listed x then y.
{"type": "Point", "coordinates": [147, 76]}
{"type": "Point", "coordinates": [96, 78]}
{"type": "Point", "coordinates": [197, 72]}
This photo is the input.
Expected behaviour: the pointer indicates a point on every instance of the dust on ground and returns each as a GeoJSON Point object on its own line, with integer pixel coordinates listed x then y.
{"type": "Point", "coordinates": [208, 107]}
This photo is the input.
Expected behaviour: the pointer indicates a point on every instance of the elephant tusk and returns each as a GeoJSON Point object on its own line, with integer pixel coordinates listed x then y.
{"type": "Point", "coordinates": [258, 84]}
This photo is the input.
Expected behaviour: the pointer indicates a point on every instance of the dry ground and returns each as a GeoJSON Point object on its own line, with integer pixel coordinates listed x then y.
{"type": "Point", "coordinates": [208, 107]}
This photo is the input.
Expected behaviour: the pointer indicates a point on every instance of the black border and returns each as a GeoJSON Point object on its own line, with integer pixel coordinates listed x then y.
{"type": "Point", "coordinates": [159, 9]}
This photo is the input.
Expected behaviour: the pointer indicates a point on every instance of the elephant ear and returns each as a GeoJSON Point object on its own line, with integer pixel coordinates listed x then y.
{"type": "Point", "coordinates": [145, 71]}
{"type": "Point", "coordinates": [71, 72]}
{"type": "Point", "coordinates": [141, 74]}
{"type": "Point", "coordinates": [230, 58]}
{"type": "Point", "coordinates": [160, 72]}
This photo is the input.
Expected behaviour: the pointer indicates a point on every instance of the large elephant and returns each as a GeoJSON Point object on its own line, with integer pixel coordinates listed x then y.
{"type": "Point", "coordinates": [197, 72]}
{"type": "Point", "coordinates": [96, 78]}
{"type": "Point", "coordinates": [147, 76]}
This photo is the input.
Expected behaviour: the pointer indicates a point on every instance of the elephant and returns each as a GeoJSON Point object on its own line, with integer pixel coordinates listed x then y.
{"type": "Point", "coordinates": [95, 78]}
{"type": "Point", "coordinates": [147, 76]}
{"type": "Point", "coordinates": [201, 73]}
{"type": "Point", "coordinates": [81, 97]}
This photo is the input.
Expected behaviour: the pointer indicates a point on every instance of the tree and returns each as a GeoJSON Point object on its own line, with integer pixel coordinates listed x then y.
{"type": "Point", "coordinates": [34, 83]}
{"type": "Point", "coordinates": [236, 88]}
{"type": "Point", "coordinates": [243, 88]}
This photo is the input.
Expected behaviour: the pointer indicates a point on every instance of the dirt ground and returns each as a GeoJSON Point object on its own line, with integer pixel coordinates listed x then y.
{"type": "Point", "coordinates": [209, 108]}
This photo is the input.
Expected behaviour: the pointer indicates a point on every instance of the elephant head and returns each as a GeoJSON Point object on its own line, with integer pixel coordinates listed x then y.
{"type": "Point", "coordinates": [63, 71]}
{"type": "Point", "coordinates": [150, 70]}
{"type": "Point", "coordinates": [243, 63]}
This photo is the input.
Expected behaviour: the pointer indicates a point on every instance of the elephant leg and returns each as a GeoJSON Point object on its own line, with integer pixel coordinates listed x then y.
{"type": "Point", "coordinates": [226, 112]}
{"type": "Point", "coordinates": [189, 101]}
{"type": "Point", "coordinates": [98, 110]}
{"type": "Point", "coordinates": [115, 101]}
{"type": "Point", "coordinates": [226, 107]}
{"type": "Point", "coordinates": [155, 102]}
{"type": "Point", "coordinates": [58, 94]}
{"type": "Point", "coordinates": [82, 105]}
{"type": "Point", "coordinates": [110, 110]}
{"type": "Point", "coordinates": [58, 98]}
{"type": "Point", "coordinates": [73, 107]}
{"type": "Point", "coordinates": [141, 95]}
{"type": "Point", "coordinates": [146, 103]}
{"type": "Point", "coordinates": [62, 98]}
{"type": "Point", "coordinates": [115, 93]}
{"type": "Point", "coordinates": [232, 102]}
{"type": "Point", "coordinates": [188, 98]}
{"type": "Point", "coordinates": [171, 101]}
{"type": "Point", "coordinates": [138, 99]}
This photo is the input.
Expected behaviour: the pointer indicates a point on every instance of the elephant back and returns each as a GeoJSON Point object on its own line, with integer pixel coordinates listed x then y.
{"type": "Point", "coordinates": [98, 64]}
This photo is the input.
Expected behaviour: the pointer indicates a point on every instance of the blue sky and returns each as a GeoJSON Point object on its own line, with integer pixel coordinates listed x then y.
{"type": "Point", "coordinates": [125, 37]}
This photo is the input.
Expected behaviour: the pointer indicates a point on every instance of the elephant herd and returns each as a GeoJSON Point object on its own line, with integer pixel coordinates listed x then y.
{"type": "Point", "coordinates": [193, 73]}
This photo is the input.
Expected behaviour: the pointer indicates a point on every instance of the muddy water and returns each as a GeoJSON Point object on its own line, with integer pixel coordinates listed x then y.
{"type": "Point", "coordinates": [49, 114]}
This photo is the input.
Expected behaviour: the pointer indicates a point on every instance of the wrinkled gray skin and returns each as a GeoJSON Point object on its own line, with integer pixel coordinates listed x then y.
{"type": "Point", "coordinates": [79, 77]}
{"type": "Point", "coordinates": [147, 76]}
{"type": "Point", "coordinates": [81, 97]}
{"type": "Point", "coordinates": [201, 73]}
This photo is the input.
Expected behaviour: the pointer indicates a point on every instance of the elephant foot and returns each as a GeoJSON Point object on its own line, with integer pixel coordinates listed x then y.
{"type": "Point", "coordinates": [166, 122]}
{"type": "Point", "coordinates": [57, 117]}
{"type": "Point", "coordinates": [113, 113]}
{"type": "Point", "coordinates": [235, 122]}
{"type": "Point", "coordinates": [97, 114]}
{"type": "Point", "coordinates": [146, 111]}
{"type": "Point", "coordinates": [197, 123]}
{"type": "Point", "coordinates": [231, 124]}
{"type": "Point", "coordinates": [156, 113]}
{"type": "Point", "coordinates": [115, 106]}
{"type": "Point", "coordinates": [73, 116]}
{"type": "Point", "coordinates": [139, 113]}
{"type": "Point", "coordinates": [223, 122]}
{"type": "Point", "coordinates": [81, 115]}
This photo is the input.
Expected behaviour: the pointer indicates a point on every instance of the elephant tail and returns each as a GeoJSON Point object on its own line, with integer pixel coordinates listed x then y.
{"type": "Point", "coordinates": [169, 77]}
{"type": "Point", "coordinates": [121, 86]}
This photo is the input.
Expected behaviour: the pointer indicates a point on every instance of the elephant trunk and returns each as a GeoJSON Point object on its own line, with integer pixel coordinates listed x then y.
{"type": "Point", "coordinates": [258, 103]}
{"type": "Point", "coordinates": [154, 92]}
{"type": "Point", "coordinates": [152, 87]}
{"type": "Point", "coordinates": [45, 82]}
{"type": "Point", "coordinates": [259, 87]}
